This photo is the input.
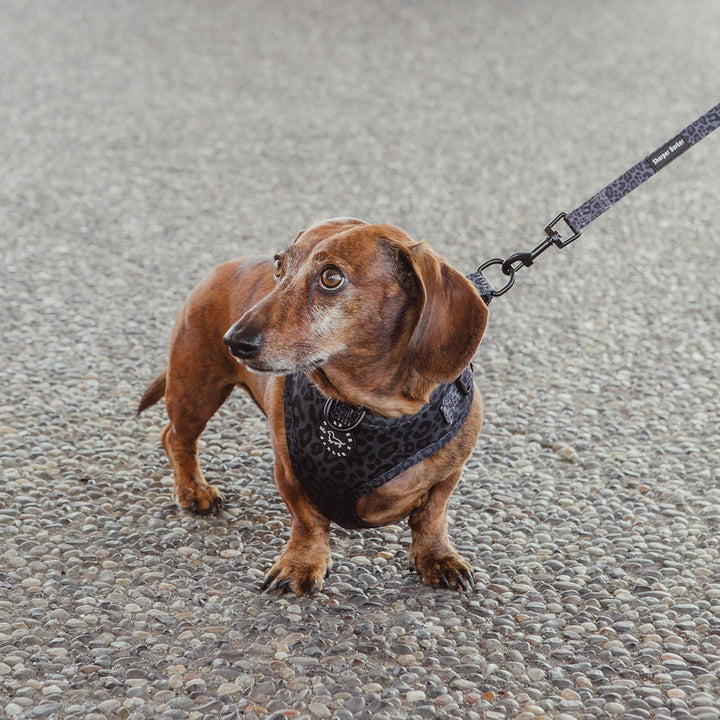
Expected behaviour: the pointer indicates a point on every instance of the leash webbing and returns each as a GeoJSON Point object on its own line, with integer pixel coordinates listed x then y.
{"type": "Point", "coordinates": [595, 206]}
{"type": "Point", "coordinates": [645, 169]}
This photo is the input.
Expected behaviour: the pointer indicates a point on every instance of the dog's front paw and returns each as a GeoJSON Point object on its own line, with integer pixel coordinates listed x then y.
{"type": "Point", "coordinates": [201, 499]}
{"type": "Point", "coordinates": [298, 574]}
{"type": "Point", "coordinates": [446, 571]}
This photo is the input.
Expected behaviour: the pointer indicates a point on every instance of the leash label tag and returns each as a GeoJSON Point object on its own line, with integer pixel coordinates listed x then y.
{"type": "Point", "coordinates": [668, 152]}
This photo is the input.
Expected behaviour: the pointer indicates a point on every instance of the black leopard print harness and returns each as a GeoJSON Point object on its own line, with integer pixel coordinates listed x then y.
{"type": "Point", "coordinates": [341, 452]}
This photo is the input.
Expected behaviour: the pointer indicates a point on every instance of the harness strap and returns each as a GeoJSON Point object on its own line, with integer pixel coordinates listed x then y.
{"type": "Point", "coordinates": [481, 285]}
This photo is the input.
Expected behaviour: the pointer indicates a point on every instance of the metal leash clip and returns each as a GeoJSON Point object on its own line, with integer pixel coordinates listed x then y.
{"type": "Point", "coordinates": [512, 264]}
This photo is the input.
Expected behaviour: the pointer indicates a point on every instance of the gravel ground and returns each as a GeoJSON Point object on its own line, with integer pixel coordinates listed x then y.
{"type": "Point", "coordinates": [142, 143]}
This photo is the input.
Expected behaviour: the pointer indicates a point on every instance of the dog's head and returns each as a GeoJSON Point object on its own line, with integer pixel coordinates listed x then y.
{"type": "Point", "coordinates": [373, 317]}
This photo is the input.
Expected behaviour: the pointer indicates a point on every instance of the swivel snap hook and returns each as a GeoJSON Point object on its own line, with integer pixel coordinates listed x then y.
{"type": "Point", "coordinates": [525, 259]}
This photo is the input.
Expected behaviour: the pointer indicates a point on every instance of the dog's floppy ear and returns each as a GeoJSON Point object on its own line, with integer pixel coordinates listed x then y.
{"type": "Point", "coordinates": [452, 316]}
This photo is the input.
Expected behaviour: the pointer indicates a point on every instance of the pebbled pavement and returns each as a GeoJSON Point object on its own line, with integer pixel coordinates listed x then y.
{"type": "Point", "coordinates": [142, 143]}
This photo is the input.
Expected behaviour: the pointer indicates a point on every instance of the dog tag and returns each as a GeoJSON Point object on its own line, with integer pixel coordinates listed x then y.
{"type": "Point", "coordinates": [336, 442]}
{"type": "Point", "coordinates": [336, 428]}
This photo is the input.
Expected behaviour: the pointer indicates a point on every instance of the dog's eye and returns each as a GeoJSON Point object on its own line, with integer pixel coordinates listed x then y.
{"type": "Point", "coordinates": [277, 262]}
{"type": "Point", "coordinates": [331, 278]}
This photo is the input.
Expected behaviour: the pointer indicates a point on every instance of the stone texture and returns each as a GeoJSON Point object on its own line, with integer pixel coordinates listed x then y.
{"type": "Point", "coordinates": [143, 144]}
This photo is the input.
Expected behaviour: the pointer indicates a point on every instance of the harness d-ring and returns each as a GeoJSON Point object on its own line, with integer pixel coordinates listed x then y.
{"type": "Point", "coordinates": [510, 272]}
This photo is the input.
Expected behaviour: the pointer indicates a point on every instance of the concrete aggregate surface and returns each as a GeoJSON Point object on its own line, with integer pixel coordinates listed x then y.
{"type": "Point", "coordinates": [142, 143]}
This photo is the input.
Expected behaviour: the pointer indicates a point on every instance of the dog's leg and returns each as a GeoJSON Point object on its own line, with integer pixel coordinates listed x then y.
{"type": "Point", "coordinates": [191, 402]}
{"type": "Point", "coordinates": [305, 560]}
{"type": "Point", "coordinates": [431, 553]}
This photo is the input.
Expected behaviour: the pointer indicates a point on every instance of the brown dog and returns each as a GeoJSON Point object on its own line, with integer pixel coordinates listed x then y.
{"type": "Point", "coordinates": [383, 327]}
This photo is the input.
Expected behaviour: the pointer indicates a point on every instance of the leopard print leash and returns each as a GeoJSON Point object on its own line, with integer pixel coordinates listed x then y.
{"type": "Point", "coordinates": [595, 206]}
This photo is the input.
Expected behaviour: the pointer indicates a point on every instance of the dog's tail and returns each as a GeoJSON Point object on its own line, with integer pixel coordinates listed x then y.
{"type": "Point", "coordinates": [154, 391]}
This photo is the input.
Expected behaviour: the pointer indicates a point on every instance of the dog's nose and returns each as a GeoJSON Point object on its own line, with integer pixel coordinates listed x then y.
{"type": "Point", "coordinates": [242, 344]}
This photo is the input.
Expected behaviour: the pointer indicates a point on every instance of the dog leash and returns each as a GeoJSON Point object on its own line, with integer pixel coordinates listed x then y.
{"type": "Point", "coordinates": [595, 206]}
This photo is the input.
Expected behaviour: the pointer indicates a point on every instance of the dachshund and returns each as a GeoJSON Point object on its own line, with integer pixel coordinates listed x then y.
{"type": "Point", "coordinates": [356, 344]}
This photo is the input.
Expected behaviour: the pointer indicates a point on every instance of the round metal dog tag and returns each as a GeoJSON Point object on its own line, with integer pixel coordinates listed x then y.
{"type": "Point", "coordinates": [336, 428]}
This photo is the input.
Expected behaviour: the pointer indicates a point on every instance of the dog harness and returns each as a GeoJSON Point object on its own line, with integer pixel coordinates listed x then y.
{"type": "Point", "coordinates": [341, 452]}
